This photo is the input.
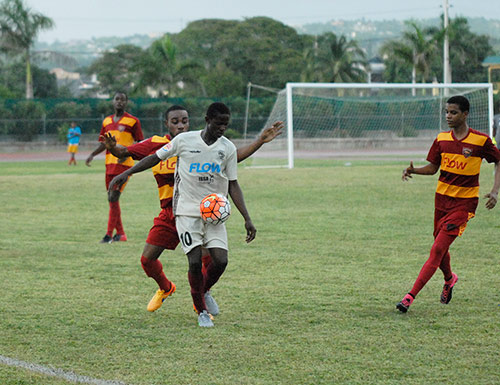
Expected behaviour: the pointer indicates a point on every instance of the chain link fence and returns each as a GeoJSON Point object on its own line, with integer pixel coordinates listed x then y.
{"type": "Point", "coordinates": [54, 130]}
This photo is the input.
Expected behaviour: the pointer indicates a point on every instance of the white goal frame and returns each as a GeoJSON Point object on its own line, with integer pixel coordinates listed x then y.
{"type": "Point", "coordinates": [291, 86]}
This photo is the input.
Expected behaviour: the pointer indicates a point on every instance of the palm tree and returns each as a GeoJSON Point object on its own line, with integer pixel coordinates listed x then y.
{"type": "Point", "coordinates": [416, 49]}
{"type": "Point", "coordinates": [336, 59]}
{"type": "Point", "coordinates": [163, 70]}
{"type": "Point", "coordinates": [19, 27]}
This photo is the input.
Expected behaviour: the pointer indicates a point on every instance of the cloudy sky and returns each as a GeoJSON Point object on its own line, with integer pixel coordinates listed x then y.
{"type": "Point", "coordinates": [84, 19]}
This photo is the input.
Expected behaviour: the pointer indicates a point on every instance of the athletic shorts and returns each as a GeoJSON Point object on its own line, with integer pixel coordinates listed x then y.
{"type": "Point", "coordinates": [109, 178]}
{"type": "Point", "coordinates": [453, 223]}
{"type": "Point", "coordinates": [164, 233]}
{"type": "Point", "coordinates": [194, 232]}
{"type": "Point", "coordinates": [73, 148]}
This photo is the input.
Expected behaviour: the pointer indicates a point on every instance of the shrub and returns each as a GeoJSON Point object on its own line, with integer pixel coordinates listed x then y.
{"type": "Point", "coordinates": [31, 123]}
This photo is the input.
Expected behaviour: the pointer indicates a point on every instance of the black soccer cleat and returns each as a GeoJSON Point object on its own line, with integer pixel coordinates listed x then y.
{"type": "Point", "coordinates": [447, 292]}
{"type": "Point", "coordinates": [119, 238]}
{"type": "Point", "coordinates": [106, 239]}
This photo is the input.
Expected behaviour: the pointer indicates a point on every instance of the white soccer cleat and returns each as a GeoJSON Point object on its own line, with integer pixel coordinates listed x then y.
{"type": "Point", "coordinates": [204, 320]}
{"type": "Point", "coordinates": [212, 306]}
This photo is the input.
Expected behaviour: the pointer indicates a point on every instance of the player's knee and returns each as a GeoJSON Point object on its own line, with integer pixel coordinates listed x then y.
{"type": "Point", "coordinates": [219, 256]}
{"type": "Point", "coordinates": [195, 267]}
{"type": "Point", "coordinates": [113, 197]}
{"type": "Point", "coordinates": [437, 252]}
{"type": "Point", "coordinates": [220, 263]}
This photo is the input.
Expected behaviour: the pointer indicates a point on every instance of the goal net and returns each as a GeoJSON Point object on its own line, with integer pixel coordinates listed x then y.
{"type": "Point", "coordinates": [362, 120]}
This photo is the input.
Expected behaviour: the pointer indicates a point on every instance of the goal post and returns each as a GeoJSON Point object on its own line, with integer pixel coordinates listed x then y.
{"type": "Point", "coordinates": [328, 119]}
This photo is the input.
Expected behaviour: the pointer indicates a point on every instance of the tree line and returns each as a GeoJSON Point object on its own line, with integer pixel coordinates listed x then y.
{"type": "Point", "coordinates": [213, 58]}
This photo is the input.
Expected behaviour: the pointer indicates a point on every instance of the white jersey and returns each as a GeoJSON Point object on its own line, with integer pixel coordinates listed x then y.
{"type": "Point", "coordinates": [201, 169]}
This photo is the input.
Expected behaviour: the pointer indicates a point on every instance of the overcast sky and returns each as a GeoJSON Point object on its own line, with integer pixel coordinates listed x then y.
{"type": "Point", "coordinates": [84, 19]}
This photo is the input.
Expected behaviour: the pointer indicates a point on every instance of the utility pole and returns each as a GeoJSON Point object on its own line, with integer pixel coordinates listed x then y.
{"type": "Point", "coordinates": [446, 47]}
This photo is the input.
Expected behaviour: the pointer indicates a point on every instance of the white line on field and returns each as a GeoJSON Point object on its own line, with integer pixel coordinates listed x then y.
{"type": "Point", "coordinates": [70, 376]}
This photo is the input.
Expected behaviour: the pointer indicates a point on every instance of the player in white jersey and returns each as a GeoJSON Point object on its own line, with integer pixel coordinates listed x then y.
{"type": "Point", "coordinates": [201, 169]}
{"type": "Point", "coordinates": [206, 164]}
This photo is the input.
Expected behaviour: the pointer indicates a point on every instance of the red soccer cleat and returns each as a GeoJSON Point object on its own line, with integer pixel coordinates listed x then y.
{"type": "Point", "coordinates": [405, 303]}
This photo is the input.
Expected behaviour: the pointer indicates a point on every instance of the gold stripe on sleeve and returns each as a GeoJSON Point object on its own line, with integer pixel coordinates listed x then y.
{"type": "Point", "coordinates": [127, 121]}
{"type": "Point", "coordinates": [159, 139]}
{"type": "Point", "coordinates": [107, 121]}
{"type": "Point", "coordinates": [475, 139]}
{"type": "Point", "coordinates": [445, 137]}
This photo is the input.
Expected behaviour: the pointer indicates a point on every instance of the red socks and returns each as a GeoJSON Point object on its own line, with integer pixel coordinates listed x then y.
{"type": "Point", "coordinates": [196, 283]}
{"type": "Point", "coordinates": [154, 269]}
{"type": "Point", "coordinates": [439, 257]}
{"type": "Point", "coordinates": [446, 267]}
{"type": "Point", "coordinates": [115, 219]}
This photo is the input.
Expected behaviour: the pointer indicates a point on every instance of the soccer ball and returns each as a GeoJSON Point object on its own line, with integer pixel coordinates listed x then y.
{"type": "Point", "coordinates": [215, 209]}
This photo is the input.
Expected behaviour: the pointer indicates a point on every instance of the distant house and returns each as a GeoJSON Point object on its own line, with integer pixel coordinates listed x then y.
{"type": "Point", "coordinates": [77, 84]}
{"type": "Point", "coordinates": [493, 65]}
{"type": "Point", "coordinates": [376, 68]}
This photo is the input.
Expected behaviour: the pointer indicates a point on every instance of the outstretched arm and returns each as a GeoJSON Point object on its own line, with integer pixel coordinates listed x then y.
{"type": "Point", "coordinates": [428, 169]}
{"type": "Point", "coordinates": [493, 194]}
{"type": "Point", "coordinates": [111, 145]}
{"type": "Point", "coordinates": [265, 136]}
{"type": "Point", "coordinates": [97, 151]}
{"type": "Point", "coordinates": [237, 196]}
{"type": "Point", "coordinates": [144, 164]}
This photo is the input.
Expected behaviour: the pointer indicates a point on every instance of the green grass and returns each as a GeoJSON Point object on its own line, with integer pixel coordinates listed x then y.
{"type": "Point", "coordinates": [310, 301]}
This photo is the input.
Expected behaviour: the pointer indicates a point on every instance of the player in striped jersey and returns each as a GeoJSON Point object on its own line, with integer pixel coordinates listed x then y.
{"type": "Point", "coordinates": [163, 234]}
{"type": "Point", "coordinates": [127, 130]}
{"type": "Point", "coordinates": [459, 153]}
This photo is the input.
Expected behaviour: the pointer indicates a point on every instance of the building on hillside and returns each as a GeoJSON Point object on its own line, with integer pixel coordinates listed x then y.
{"type": "Point", "coordinates": [77, 83]}
{"type": "Point", "coordinates": [375, 70]}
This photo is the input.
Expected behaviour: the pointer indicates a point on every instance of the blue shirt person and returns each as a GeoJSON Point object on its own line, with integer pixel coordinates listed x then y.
{"type": "Point", "coordinates": [74, 134]}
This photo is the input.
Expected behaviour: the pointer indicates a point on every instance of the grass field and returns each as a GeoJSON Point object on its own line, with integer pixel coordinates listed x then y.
{"type": "Point", "coordinates": [310, 301]}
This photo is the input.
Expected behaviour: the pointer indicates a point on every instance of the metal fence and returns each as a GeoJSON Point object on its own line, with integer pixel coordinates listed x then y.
{"type": "Point", "coordinates": [52, 129]}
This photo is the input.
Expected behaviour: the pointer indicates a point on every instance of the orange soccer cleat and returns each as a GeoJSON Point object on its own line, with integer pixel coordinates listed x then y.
{"type": "Point", "coordinates": [159, 297]}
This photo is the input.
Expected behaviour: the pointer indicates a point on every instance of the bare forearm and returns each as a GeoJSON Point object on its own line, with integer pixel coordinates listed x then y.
{"type": "Point", "coordinates": [237, 196]}
{"type": "Point", "coordinates": [119, 151]}
{"type": "Point", "coordinates": [428, 169]}
{"type": "Point", "coordinates": [99, 149]}
{"type": "Point", "coordinates": [267, 135]}
{"type": "Point", "coordinates": [146, 163]}
{"type": "Point", "coordinates": [246, 151]}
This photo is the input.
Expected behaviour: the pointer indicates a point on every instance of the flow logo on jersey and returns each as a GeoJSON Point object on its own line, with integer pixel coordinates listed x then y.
{"type": "Point", "coordinates": [452, 163]}
{"type": "Point", "coordinates": [204, 167]}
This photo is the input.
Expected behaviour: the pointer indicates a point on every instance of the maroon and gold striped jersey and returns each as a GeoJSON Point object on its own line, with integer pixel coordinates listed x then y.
{"type": "Point", "coordinates": [126, 131]}
{"type": "Point", "coordinates": [460, 163]}
{"type": "Point", "coordinates": [163, 171]}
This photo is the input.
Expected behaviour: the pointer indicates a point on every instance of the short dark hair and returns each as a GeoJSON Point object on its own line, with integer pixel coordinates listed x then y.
{"type": "Point", "coordinates": [461, 101]}
{"type": "Point", "coordinates": [120, 92]}
{"type": "Point", "coordinates": [216, 109]}
{"type": "Point", "coordinates": [175, 107]}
